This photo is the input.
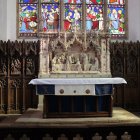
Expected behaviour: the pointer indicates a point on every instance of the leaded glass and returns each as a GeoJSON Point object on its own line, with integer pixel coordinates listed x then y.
{"type": "Point", "coordinates": [73, 16]}
{"type": "Point", "coordinates": [94, 17]}
{"type": "Point", "coordinates": [50, 16]}
{"type": "Point", "coordinates": [72, 1]}
{"type": "Point", "coordinates": [28, 18]}
{"type": "Point", "coordinates": [50, 1]}
{"type": "Point", "coordinates": [28, 1]}
{"type": "Point", "coordinates": [121, 2]}
{"type": "Point", "coordinates": [94, 1]}
{"type": "Point", "coordinates": [116, 17]}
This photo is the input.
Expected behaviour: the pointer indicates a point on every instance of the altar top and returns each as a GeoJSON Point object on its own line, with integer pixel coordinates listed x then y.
{"type": "Point", "coordinates": [74, 81]}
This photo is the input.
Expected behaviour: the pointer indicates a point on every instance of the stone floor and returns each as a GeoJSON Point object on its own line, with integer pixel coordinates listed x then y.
{"type": "Point", "coordinates": [33, 118]}
{"type": "Point", "coordinates": [31, 125]}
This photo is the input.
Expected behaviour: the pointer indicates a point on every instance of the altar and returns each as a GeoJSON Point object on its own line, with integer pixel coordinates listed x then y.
{"type": "Point", "coordinates": [74, 76]}
{"type": "Point", "coordinates": [76, 97]}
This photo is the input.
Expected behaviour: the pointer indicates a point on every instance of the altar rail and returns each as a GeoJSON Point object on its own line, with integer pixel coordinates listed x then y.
{"type": "Point", "coordinates": [19, 64]}
{"type": "Point", "coordinates": [69, 134]}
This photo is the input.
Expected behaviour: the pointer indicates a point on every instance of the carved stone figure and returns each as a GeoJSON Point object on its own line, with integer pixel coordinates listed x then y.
{"type": "Point", "coordinates": [85, 61]}
{"type": "Point", "coordinates": [78, 65]}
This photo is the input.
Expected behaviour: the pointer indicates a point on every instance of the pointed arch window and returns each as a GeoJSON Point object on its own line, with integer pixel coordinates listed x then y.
{"type": "Point", "coordinates": [53, 16]}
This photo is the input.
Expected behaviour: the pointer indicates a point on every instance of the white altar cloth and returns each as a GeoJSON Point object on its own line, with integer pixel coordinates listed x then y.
{"type": "Point", "coordinates": [78, 81]}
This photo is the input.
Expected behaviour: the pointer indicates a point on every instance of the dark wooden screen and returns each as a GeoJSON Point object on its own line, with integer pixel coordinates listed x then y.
{"type": "Point", "coordinates": [125, 62]}
{"type": "Point", "coordinates": [18, 65]}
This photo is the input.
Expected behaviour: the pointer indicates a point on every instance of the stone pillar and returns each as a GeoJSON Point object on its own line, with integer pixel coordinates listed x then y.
{"type": "Point", "coordinates": [44, 57]}
{"type": "Point", "coordinates": [44, 65]}
{"type": "Point", "coordinates": [40, 102]}
{"type": "Point", "coordinates": [108, 56]}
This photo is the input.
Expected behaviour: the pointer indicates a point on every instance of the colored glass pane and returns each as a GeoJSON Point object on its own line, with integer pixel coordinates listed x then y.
{"type": "Point", "coordinates": [121, 2]}
{"type": "Point", "coordinates": [116, 19]}
{"type": "Point", "coordinates": [27, 18]}
{"type": "Point", "coordinates": [50, 1]}
{"type": "Point", "coordinates": [50, 15]}
{"type": "Point", "coordinates": [73, 16]}
{"type": "Point", "coordinates": [94, 1]}
{"type": "Point", "coordinates": [28, 1]}
{"type": "Point", "coordinates": [73, 1]}
{"type": "Point", "coordinates": [94, 17]}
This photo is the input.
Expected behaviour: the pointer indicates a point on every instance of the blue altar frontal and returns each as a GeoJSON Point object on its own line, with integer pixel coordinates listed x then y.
{"type": "Point", "coordinates": [98, 89]}
{"type": "Point", "coordinates": [71, 97]}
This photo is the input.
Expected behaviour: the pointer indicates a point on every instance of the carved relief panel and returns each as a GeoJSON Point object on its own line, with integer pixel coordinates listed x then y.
{"type": "Point", "coordinates": [76, 53]}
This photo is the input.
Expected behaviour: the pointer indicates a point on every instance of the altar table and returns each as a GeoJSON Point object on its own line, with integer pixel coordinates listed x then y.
{"type": "Point", "coordinates": [75, 97]}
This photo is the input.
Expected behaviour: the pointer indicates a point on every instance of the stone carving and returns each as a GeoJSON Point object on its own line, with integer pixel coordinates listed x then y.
{"type": "Point", "coordinates": [75, 62]}
{"type": "Point", "coordinates": [75, 53]}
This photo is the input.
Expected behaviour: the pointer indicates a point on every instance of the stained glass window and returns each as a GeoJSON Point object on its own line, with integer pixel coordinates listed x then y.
{"type": "Point", "coordinates": [28, 1]}
{"type": "Point", "coordinates": [53, 16]}
{"type": "Point", "coordinates": [27, 21]}
{"type": "Point", "coordinates": [94, 17]}
{"type": "Point", "coordinates": [73, 16]}
{"type": "Point", "coordinates": [50, 16]}
{"type": "Point", "coordinates": [116, 13]}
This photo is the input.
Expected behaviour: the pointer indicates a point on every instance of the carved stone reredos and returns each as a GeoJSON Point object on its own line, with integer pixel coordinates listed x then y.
{"type": "Point", "coordinates": [75, 53]}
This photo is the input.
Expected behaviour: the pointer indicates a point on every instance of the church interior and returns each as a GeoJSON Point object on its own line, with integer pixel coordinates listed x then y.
{"type": "Point", "coordinates": [69, 70]}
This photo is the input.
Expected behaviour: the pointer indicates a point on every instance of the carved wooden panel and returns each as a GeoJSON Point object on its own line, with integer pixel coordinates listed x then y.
{"type": "Point", "coordinates": [125, 62]}
{"type": "Point", "coordinates": [19, 62]}
{"type": "Point", "coordinates": [18, 65]}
